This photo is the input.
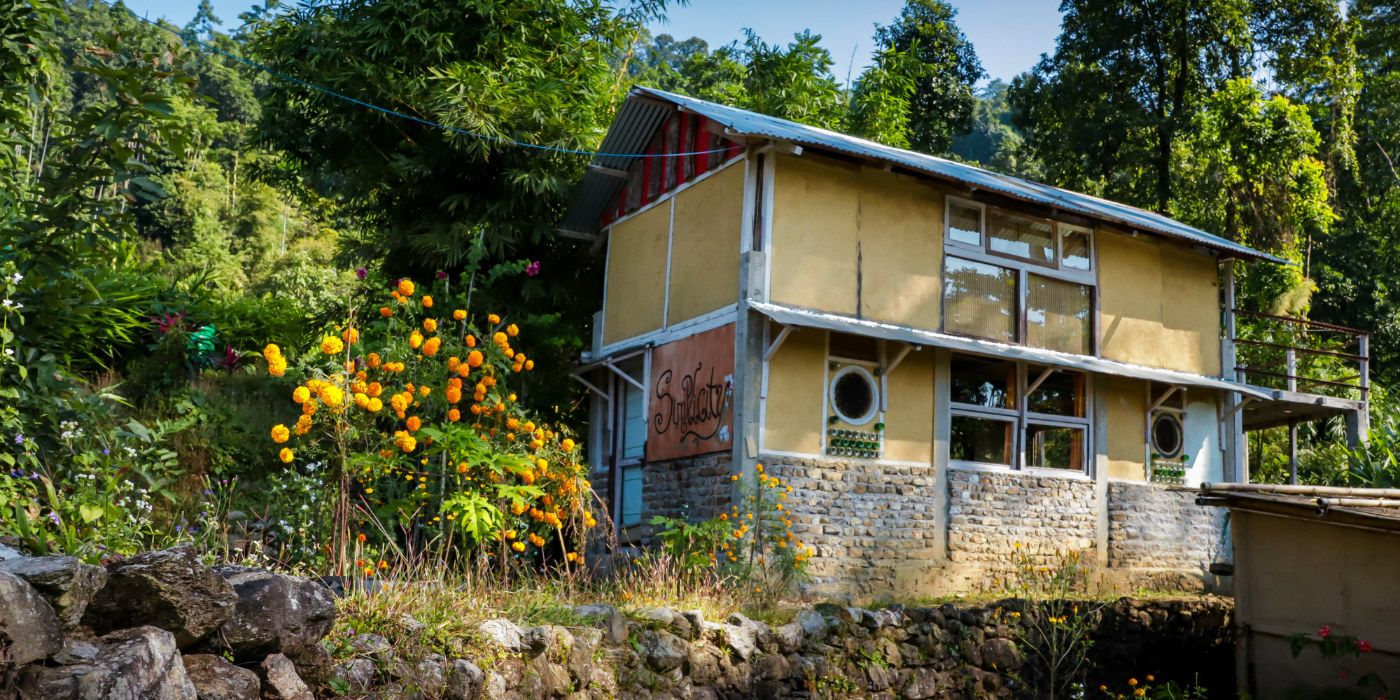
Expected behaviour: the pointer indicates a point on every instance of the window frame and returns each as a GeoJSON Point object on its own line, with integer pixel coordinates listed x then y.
{"type": "Point", "coordinates": [854, 367]}
{"type": "Point", "coordinates": [1021, 416]}
{"type": "Point", "coordinates": [618, 439]}
{"type": "Point", "coordinates": [1023, 268]}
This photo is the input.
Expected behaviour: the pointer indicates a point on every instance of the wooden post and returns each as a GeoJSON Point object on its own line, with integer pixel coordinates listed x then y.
{"type": "Point", "coordinates": [1293, 451]}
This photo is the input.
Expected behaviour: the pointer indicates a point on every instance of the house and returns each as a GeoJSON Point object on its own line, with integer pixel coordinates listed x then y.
{"type": "Point", "coordinates": [942, 361]}
{"type": "Point", "coordinates": [1308, 558]}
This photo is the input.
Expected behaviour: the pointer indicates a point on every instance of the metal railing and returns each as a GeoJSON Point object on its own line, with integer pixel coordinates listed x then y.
{"type": "Point", "coordinates": [1295, 354]}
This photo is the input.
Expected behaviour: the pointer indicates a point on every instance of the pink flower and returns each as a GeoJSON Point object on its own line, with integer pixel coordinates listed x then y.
{"type": "Point", "coordinates": [1324, 631]}
{"type": "Point", "coordinates": [441, 275]}
{"type": "Point", "coordinates": [1364, 645]}
{"type": "Point", "coordinates": [533, 268]}
{"type": "Point", "coordinates": [361, 273]}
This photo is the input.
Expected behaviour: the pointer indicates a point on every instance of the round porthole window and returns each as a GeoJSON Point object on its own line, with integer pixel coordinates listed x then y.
{"type": "Point", "coordinates": [1167, 437]}
{"type": "Point", "coordinates": [853, 395]}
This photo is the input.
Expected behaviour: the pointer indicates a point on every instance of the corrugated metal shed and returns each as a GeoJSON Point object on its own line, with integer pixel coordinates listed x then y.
{"type": "Point", "coordinates": [640, 116]}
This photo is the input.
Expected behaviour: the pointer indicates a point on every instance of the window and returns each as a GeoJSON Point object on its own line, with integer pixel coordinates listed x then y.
{"type": "Point", "coordinates": [1017, 415]}
{"type": "Point", "coordinates": [1013, 278]}
{"type": "Point", "coordinates": [1167, 437]}
{"type": "Point", "coordinates": [853, 395]}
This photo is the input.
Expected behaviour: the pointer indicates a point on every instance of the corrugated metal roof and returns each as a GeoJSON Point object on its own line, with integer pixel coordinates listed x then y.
{"type": "Point", "coordinates": [795, 316]}
{"type": "Point", "coordinates": [583, 216]}
{"type": "Point", "coordinates": [630, 132]}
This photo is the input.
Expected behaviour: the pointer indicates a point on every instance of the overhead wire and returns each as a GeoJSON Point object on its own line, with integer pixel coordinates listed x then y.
{"type": "Point", "coordinates": [191, 38]}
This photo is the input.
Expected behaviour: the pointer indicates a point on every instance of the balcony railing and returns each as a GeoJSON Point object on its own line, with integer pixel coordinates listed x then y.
{"type": "Point", "coordinates": [1294, 354]}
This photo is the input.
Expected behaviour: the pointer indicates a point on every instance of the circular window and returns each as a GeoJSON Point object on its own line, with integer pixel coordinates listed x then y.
{"type": "Point", "coordinates": [1166, 435]}
{"type": "Point", "coordinates": [853, 395]}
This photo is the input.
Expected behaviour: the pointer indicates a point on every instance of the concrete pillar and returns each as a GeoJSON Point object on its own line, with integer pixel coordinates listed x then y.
{"type": "Point", "coordinates": [942, 429]}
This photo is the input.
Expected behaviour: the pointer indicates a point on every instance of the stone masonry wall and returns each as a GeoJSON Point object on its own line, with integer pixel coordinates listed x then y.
{"type": "Point", "coordinates": [871, 525]}
{"type": "Point", "coordinates": [990, 512]}
{"type": "Point", "coordinates": [1152, 529]}
{"type": "Point", "coordinates": [696, 487]}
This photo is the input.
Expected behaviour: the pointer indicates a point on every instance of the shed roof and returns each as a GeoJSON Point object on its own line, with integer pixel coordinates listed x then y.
{"type": "Point", "coordinates": [1373, 509]}
{"type": "Point", "coordinates": [645, 110]}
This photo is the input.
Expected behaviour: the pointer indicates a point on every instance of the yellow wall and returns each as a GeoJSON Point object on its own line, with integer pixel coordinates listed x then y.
{"type": "Point", "coordinates": [705, 245]}
{"type": "Point", "coordinates": [826, 214]}
{"type": "Point", "coordinates": [1159, 303]}
{"type": "Point", "coordinates": [909, 422]}
{"type": "Point", "coordinates": [1127, 440]}
{"type": "Point", "coordinates": [1295, 576]}
{"type": "Point", "coordinates": [793, 419]}
{"type": "Point", "coordinates": [636, 286]}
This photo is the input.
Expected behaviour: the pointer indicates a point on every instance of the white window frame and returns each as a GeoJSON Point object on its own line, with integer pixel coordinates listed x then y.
{"type": "Point", "coordinates": [626, 465]}
{"type": "Point", "coordinates": [853, 367]}
{"type": "Point", "coordinates": [1023, 268]}
{"type": "Point", "coordinates": [1020, 416]}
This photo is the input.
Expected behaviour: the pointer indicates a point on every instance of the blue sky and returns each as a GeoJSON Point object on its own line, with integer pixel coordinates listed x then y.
{"type": "Point", "coordinates": [1009, 35]}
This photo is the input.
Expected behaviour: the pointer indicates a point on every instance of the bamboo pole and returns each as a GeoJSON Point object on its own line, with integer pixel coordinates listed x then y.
{"type": "Point", "coordinates": [1302, 490]}
{"type": "Point", "coordinates": [1358, 503]}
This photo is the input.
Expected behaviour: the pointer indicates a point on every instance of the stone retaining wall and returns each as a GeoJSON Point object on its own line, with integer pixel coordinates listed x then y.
{"type": "Point", "coordinates": [989, 513]}
{"type": "Point", "coordinates": [1162, 534]}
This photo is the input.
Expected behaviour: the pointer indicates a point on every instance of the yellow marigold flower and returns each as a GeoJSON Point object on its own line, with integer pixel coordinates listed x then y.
{"type": "Point", "coordinates": [511, 397]}
{"type": "Point", "coordinates": [272, 351]}
{"type": "Point", "coordinates": [406, 287]}
{"type": "Point", "coordinates": [424, 390]}
{"type": "Point", "coordinates": [512, 423]}
{"type": "Point", "coordinates": [512, 330]}
{"type": "Point", "coordinates": [277, 366]}
{"type": "Point", "coordinates": [567, 445]}
{"type": "Point", "coordinates": [361, 400]}
{"type": "Point", "coordinates": [350, 336]}
{"type": "Point", "coordinates": [459, 315]}
{"type": "Point", "coordinates": [499, 338]}
{"type": "Point", "coordinates": [430, 348]}
{"type": "Point", "coordinates": [453, 394]}
{"type": "Point", "coordinates": [427, 302]}
{"type": "Point", "coordinates": [1149, 676]}
{"type": "Point", "coordinates": [429, 324]}
{"type": "Point", "coordinates": [375, 405]}
{"type": "Point", "coordinates": [475, 358]}
{"type": "Point", "coordinates": [510, 354]}
{"type": "Point", "coordinates": [1132, 681]}
{"type": "Point", "coordinates": [308, 408]}
{"type": "Point", "coordinates": [280, 433]}
{"type": "Point", "coordinates": [330, 394]}
{"type": "Point", "coordinates": [285, 455]}
{"type": "Point", "coordinates": [518, 546]}
{"type": "Point", "coordinates": [331, 345]}
{"type": "Point", "coordinates": [301, 394]}
{"type": "Point", "coordinates": [493, 319]}
{"type": "Point", "coordinates": [529, 365]}
{"type": "Point", "coordinates": [385, 311]}
{"type": "Point", "coordinates": [414, 423]}
{"type": "Point", "coordinates": [415, 340]}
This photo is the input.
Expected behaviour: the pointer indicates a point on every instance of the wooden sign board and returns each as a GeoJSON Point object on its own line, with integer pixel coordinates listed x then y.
{"type": "Point", "coordinates": [692, 396]}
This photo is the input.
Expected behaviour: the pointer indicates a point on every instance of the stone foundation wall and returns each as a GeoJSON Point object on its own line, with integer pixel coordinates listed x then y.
{"type": "Point", "coordinates": [697, 488]}
{"type": "Point", "coordinates": [872, 525]}
{"type": "Point", "coordinates": [1161, 533]}
{"type": "Point", "coordinates": [990, 512]}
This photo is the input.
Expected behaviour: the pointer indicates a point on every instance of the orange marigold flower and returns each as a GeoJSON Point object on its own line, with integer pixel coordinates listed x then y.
{"type": "Point", "coordinates": [512, 330]}
{"type": "Point", "coordinates": [406, 287]}
{"type": "Point", "coordinates": [429, 324]}
{"type": "Point", "coordinates": [499, 338]}
{"type": "Point", "coordinates": [430, 348]}
{"type": "Point", "coordinates": [493, 319]}
{"type": "Point", "coordinates": [454, 415]}
{"type": "Point", "coordinates": [529, 365]}
{"type": "Point", "coordinates": [567, 445]}
{"type": "Point", "coordinates": [373, 360]}
{"type": "Point", "coordinates": [427, 302]}
{"type": "Point", "coordinates": [459, 315]}
{"type": "Point", "coordinates": [361, 537]}
{"type": "Point", "coordinates": [475, 358]}
{"type": "Point", "coordinates": [285, 455]}
{"type": "Point", "coordinates": [280, 433]}
{"type": "Point", "coordinates": [385, 311]}
{"type": "Point", "coordinates": [350, 336]}
{"type": "Point", "coordinates": [415, 340]}
{"type": "Point", "coordinates": [414, 423]}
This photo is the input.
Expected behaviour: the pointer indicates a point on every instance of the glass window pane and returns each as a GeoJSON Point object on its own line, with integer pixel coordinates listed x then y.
{"type": "Point", "coordinates": [985, 440]}
{"type": "Point", "coordinates": [965, 224]}
{"type": "Point", "coordinates": [1031, 239]}
{"type": "Point", "coordinates": [1058, 315]}
{"type": "Point", "coordinates": [983, 381]}
{"type": "Point", "coordinates": [1075, 250]}
{"type": "Point", "coordinates": [979, 300]}
{"type": "Point", "coordinates": [1061, 394]}
{"type": "Point", "coordinates": [1052, 447]}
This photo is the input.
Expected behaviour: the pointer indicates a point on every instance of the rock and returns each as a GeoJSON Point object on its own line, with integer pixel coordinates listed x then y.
{"type": "Point", "coordinates": [29, 621]}
{"type": "Point", "coordinates": [342, 586]}
{"type": "Point", "coordinates": [463, 680]}
{"type": "Point", "coordinates": [696, 618]}
{"type": "Point", "coordinates": [356, 674]}
{"type": "Point", "coordinates": [673, 620]}
{"type": "Point", "coordinates": [428, 680]}
{"type": "Point", "coordinates": [740, 640]}
{"type": "Point", "coordinates": [790, 637]}
{"type": "Point", "coordinates": [168, 589]}
{"type": "Point", "coordinates": [606, 618]}
{"type": "Point", "coordinates": [373, 646]}
{"type": "Point", "coordinates": [277, 614]}
{"type": "Point", "coordinates": [1000, 655]}
{"type": "Point", "coordinates": [66, 583]}
{"type": "Point", "coordinates": [813, 624]}
{"type": "Point", "coordinates": [504, 634]}
{"type": "Point", "coordinates": [704, 665]}
{"type": "Point", "coordinates": [970, 651]}
{"type": "Point", "coordinates": [923, 683]}
{"type": "Point", "coordinates": [216, 679]}
{"type": "Point", "coordinates": [8, 553]}
{"type": "Point", "coordinates": [494, 687]}
{"type": "Point", "coordinates": [580, 661]}
{"type": "Point", "coordinates": [663, 651]}
{"type": "Point", "coordinates": [75, 652]}
{"type": "Point", "coordinates": [280, 680]}
{"type": "Point", "coordinates": [772, 667]}
{"type": "Point", "coordinates": [141, 663]}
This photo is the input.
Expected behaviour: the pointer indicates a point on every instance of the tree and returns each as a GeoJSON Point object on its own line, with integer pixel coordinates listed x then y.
{"type": "Point", "coordinates": [942, 102]}
{"type": "Point", "coordinates": [992, 141]}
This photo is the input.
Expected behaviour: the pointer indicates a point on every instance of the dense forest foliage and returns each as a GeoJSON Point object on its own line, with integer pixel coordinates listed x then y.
{"type": "Point", "coordinates": [167, 207]}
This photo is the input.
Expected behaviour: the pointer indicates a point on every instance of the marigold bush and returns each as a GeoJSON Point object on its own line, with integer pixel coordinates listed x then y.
{"type": "Point", "coordinates": [428, 447]}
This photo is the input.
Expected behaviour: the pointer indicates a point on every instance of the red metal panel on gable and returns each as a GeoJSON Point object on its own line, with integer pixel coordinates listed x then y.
{"type": "Point", "coordinates": [681, 150]}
